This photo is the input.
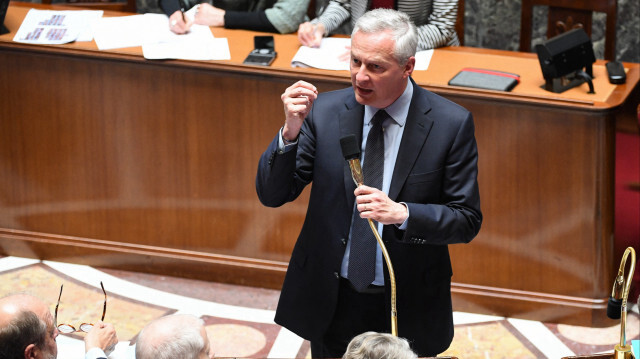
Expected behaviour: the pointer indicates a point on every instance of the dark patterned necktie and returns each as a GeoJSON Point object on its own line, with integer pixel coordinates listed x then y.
{"type": "Point", "coordinates": [362, 257]}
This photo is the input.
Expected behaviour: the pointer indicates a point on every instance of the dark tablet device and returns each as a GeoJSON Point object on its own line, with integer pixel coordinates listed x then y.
{"type": "Point", "coordinates": [4, 4]}
{"type": "Point", "coordinates": [263, 52]}
{"type": "Point", "coordinates": [485, 79]}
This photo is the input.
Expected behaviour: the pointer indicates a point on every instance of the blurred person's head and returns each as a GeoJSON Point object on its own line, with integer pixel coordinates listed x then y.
{"type": "Point", "coordinates": [372, 345]}
{"type": "Point", "coordinates": [173, 336]}
{"type": "Point", "coordinates": [383, 48]}
{"type": "Point", "coordinates": [27, 329]}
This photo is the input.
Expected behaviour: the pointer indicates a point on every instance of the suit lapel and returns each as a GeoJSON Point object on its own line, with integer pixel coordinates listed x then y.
{"type": "Point", "coordinates": [415, 135]}
{"type": "Point", "coordinates": [350, 121]}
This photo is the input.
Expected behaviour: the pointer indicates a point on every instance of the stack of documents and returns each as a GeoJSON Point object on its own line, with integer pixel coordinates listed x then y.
{"type": "Point", "coordinates": [151, 31]}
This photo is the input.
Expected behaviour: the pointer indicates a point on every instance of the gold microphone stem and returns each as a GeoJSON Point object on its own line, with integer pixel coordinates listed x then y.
{"type": "Point", "coordinates": [623, 351]}
{"type": "Point", "coordinates": [392, 279]}
{"type": "Point", "coordinates": [358, 178]}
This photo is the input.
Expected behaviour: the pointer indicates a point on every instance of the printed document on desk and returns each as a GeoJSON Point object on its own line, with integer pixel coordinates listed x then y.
{"type": "Point", "coordinates": [131, 31]}
{"type": "Point", "coordinates": [121, 31]}
{"type": "Point", "coordinates": [200, 47]}
{"type": "Point", "coordinates": [152, 32]}
{"type": "Point", "coordinates": [327, 56]}
{"type": "Point", "coordinates": [198, 44]}
{"type": "Point", "coordinates": [57, 27]}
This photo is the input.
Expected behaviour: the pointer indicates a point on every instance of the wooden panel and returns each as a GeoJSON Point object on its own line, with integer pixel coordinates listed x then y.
{"type": "Point", "coordinates": [540, 189]}
{"type": "Point", "coordinates": [546, 183]}
{"type": "Point", "coordinates": [141, 154]}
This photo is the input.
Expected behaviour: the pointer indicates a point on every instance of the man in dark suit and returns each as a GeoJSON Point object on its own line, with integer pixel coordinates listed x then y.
{"type": "Point", "coordinates": [428, 197]}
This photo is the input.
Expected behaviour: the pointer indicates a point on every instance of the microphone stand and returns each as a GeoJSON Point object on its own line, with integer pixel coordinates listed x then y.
{"type": "Point", "coordinates": [358, 178]}
{"type": "Point", "coordinates": [617, 306]}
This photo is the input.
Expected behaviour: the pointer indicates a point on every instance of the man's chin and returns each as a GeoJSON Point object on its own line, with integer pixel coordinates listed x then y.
{"type": "Point", "coordinates": [364, 97]}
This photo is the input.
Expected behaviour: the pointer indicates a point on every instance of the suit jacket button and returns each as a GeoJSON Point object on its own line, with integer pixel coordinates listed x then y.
{"type": "Point", "coordinates": [344, 241]}
{"type": "Point", "coordinates": [336, 274]}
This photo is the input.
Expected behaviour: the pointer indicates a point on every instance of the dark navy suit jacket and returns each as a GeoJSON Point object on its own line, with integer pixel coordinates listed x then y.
{"type": "Point", "coordinates": [435, 174]}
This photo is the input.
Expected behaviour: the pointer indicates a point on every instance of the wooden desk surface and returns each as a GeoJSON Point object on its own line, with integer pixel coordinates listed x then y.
{"type": "Point", "coordinates": [112, 160]}
{"type": "Point", "coordinates": [446, 62]}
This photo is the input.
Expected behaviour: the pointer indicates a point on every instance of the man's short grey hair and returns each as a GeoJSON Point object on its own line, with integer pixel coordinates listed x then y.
{"type": "Point", "coordinates": [170, 337]}
{"type": "Point", "coordinates": [403, 30]}
{"type": "Point", "coordinates": [372, 345]}
{"type": "Point", "coordinates": [24, 329]}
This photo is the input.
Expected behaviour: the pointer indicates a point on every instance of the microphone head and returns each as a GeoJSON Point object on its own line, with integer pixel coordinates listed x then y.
{"type": "Point", "coordinates": [350, 147]}
{"type": "Point", "coordinates": [614, 308]}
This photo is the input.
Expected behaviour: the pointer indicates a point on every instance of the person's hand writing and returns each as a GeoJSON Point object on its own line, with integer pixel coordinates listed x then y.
{"type": "Point", "coordinates": [310, 34]}
{"type": "Point", "coordinates": [375, 204]}
{"type": "Point", "coordinates": [103, 336]}
{"type": "Point", "coordinates": [177, 24]}
{"type": "Point", "coordinates": [209, 15]}
{"type": "Point", "coordinates": [297, 99]}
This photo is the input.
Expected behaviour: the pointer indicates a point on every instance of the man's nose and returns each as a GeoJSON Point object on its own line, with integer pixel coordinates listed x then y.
{"type": "Point", "coordinates": [362, 74]}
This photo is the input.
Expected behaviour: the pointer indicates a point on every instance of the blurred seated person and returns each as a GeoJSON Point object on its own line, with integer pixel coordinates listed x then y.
{"type": "Point", "coordinates": [373, 345]}
{"type": "Point", "coordinates": [278, 16]}
{"type": "Point", "coordinates": [174, 336]}
{"type": "Point", "coordinates": [28, 330]}
{"type": "Point", "coordinates": [434, 19]}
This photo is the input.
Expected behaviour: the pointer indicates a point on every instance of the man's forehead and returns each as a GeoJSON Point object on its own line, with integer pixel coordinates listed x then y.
{"type": "Point", "coordinates": [372, 42]}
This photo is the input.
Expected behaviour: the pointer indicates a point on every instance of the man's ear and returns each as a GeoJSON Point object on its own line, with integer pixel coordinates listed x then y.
{"type": "Point", "coordinates": [31, 352]}
{"type": "Point", "coordinates": [410, 66]}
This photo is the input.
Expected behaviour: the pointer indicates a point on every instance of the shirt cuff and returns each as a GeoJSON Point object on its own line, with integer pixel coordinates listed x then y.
{"type": "Point", "coordinates": [284, 147]}
{"type": "Point", "coordinates": [95, 353]}
{"type": "Point", "coordinates": [403, 226]}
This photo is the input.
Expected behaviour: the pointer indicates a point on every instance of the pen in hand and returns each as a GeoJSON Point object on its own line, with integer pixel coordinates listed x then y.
{"type": "Point", "coordinates": [182, 10]}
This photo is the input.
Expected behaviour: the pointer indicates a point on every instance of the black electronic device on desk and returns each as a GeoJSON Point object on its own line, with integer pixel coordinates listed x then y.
{"type": "Point", "coordinates": [263, 52]}
{"type": "Point", "coordinates": [567, 61]}
{"type": "Point", "coordinates": [616, 73]}
{"type": "Point", "coordinates": [485, 79]}
{"type": "Point", "coordinates": [4, 4]}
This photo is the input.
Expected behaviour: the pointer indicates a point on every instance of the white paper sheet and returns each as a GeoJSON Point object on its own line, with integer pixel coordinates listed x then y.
{"type": "Point", "coordinates": [197, 44]}
{"type": "Point", "coordinates": [332, 49]}
{"type": "Point", "coordinates": [152, 32]}
{"type": "Point", "coordinates": [207, 49]}
{"type": "Point", "coordinates": [120, 31]}
{"type": "Point", "coordinates": [326, 57]}
{"type": "Point", "coordinates": [57, 27]}
{"type": "Point", "coordinates": [423, 58]}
